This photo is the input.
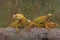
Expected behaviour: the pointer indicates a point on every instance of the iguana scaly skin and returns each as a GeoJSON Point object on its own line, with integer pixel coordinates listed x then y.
{"type": "Point", "coordinates": [41, 20]}
{"type": "Point", "coordinates": [50, 25]}
{"type": "Point", "coordinates": [19, 22]}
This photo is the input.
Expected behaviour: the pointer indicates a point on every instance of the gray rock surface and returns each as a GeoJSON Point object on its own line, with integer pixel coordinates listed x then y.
{"type": "Point", "coordinates": [54, 34]}
{"type": "Point", "coordinates": [33, 34]}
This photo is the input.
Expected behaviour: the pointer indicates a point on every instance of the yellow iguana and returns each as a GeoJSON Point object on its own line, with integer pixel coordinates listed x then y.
{"type": "Point", "coordinates": [19, 22]}
{"type": "Point", "coordinates": [42, 21]}
{"type": "Point", "coordinates": [39, 21]}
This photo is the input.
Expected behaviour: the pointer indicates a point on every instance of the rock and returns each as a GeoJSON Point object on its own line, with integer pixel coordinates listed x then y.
{"type": "Point", "coordinates": [2, 37]}
{"type": "Point", "coordinates": [53, 34]}
{"type": "Point", "coordinates": [33, 34]}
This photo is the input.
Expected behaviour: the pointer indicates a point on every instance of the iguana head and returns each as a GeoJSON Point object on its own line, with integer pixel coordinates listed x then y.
{"type": "Point", "coordinates": [19, 16]}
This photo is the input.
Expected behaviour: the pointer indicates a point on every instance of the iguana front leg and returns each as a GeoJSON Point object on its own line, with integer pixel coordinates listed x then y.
{"type": "Point", "coordinates": [17, 29]}
{"type": "Point", "coordinates": [47, 26]}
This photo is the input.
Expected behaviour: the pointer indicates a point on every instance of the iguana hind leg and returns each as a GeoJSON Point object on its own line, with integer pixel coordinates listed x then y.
{"type": "Point", "coordinates": [47, 26]}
